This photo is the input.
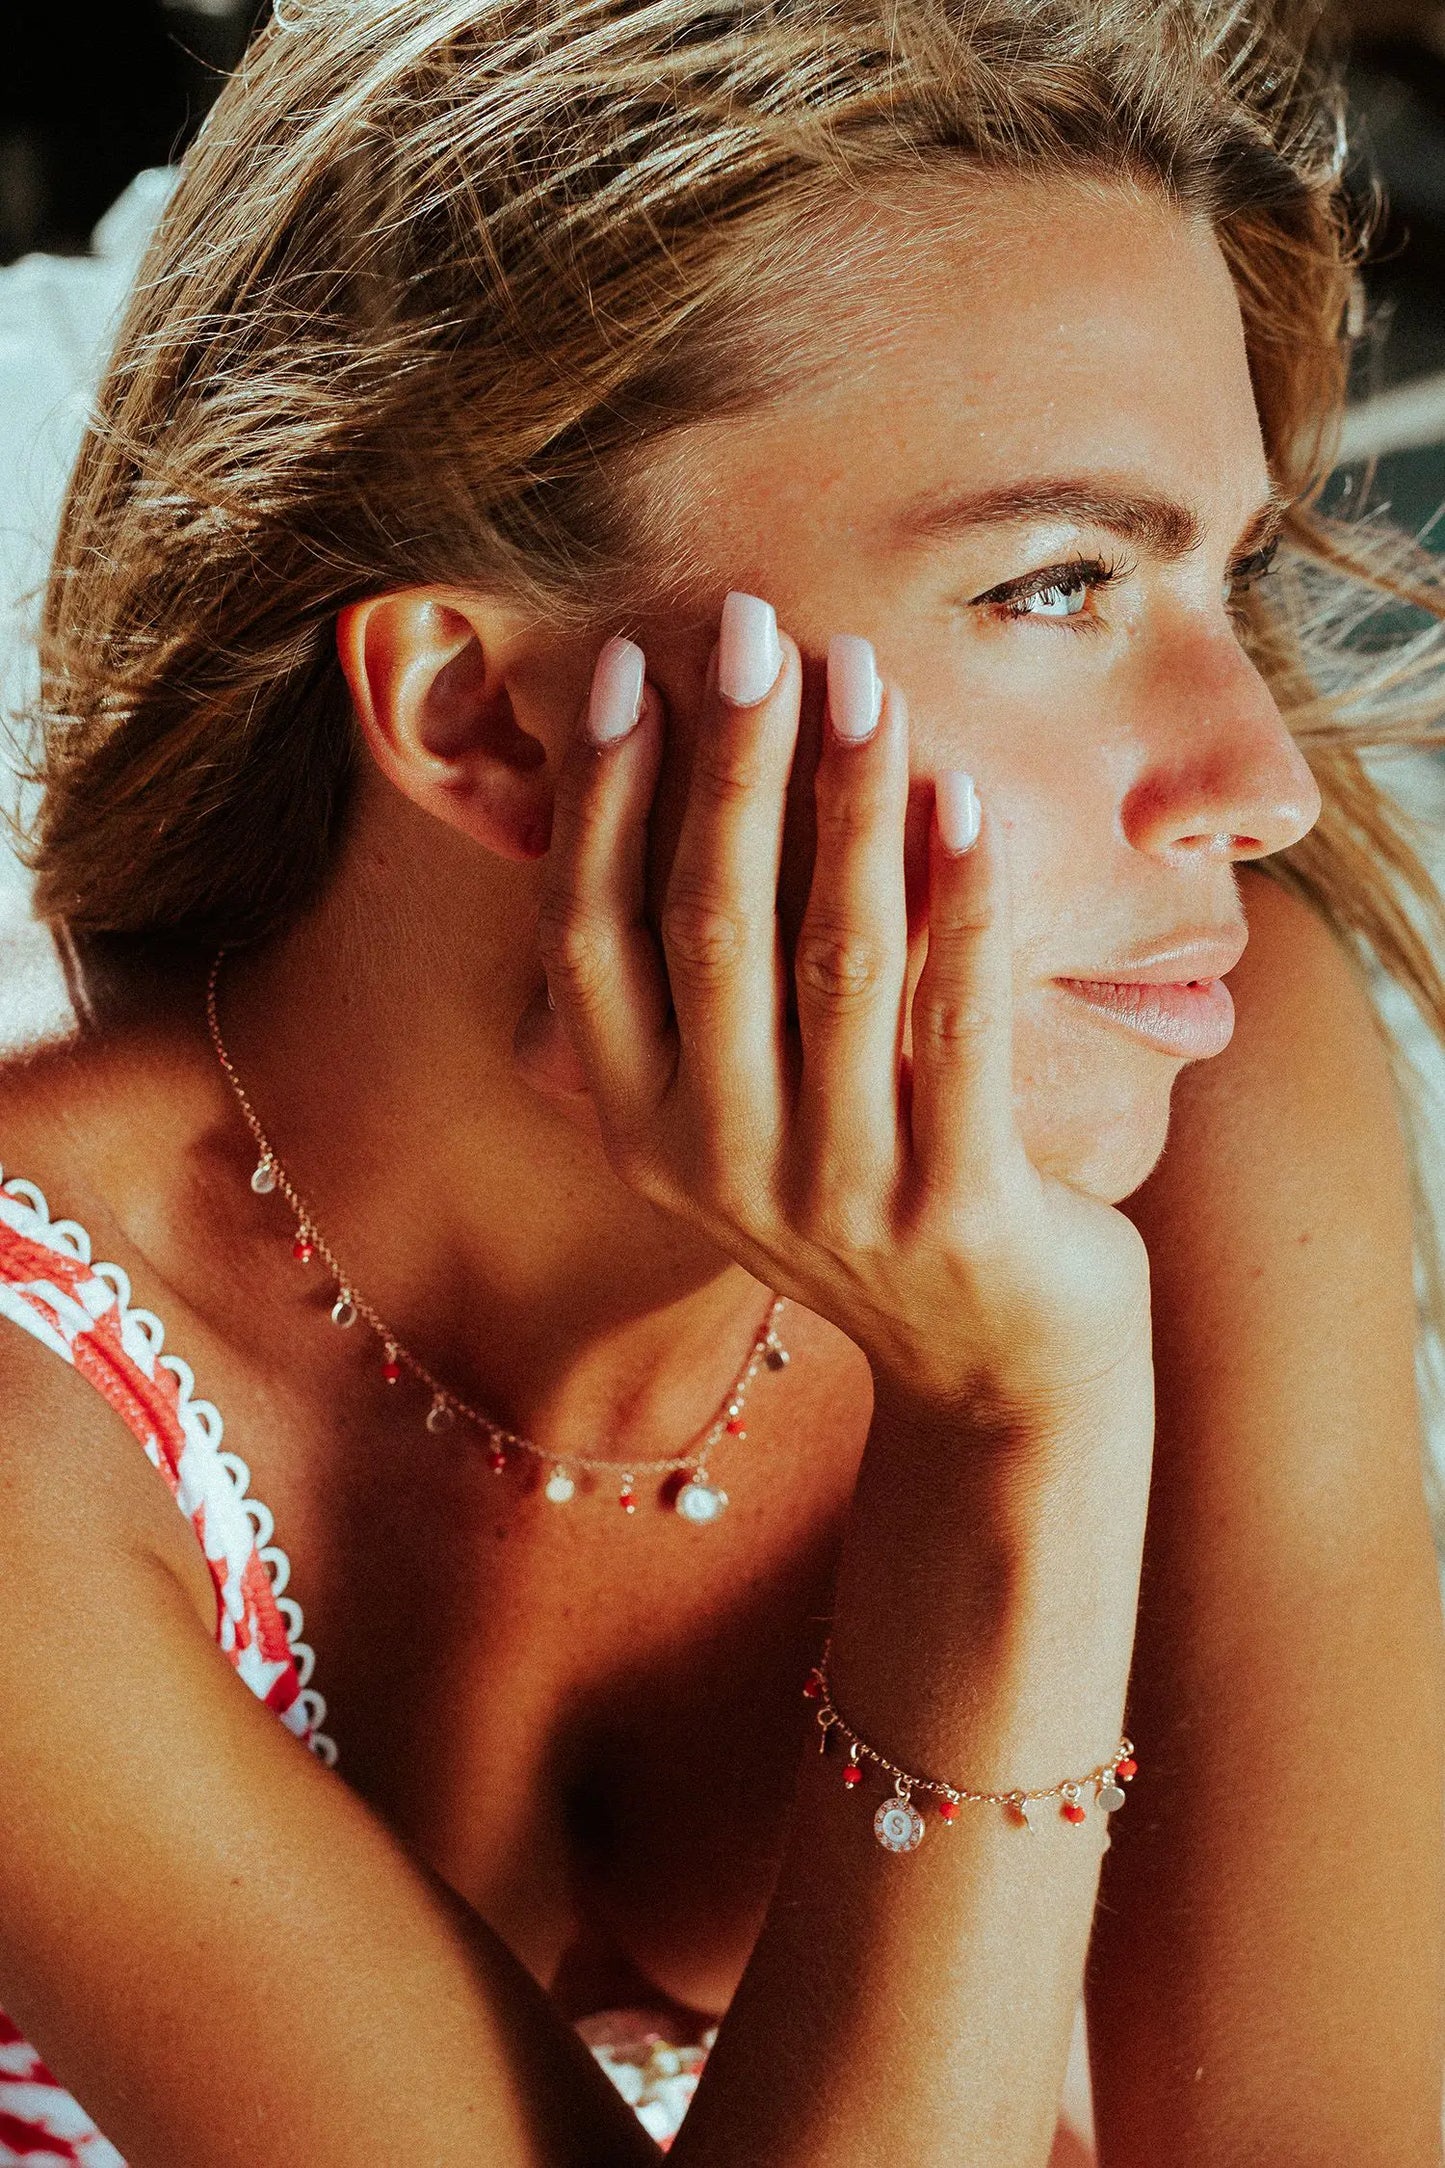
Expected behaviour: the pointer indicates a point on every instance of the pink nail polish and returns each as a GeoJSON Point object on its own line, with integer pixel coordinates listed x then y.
{"type": "Point", "coordinates": [748, 655]}
{"type": "Point", "coordinates": [958, 815]}
{"type": "Point", "coordinates": [855, 696]}
{"type": "Point", "coordinates": [615, 701]}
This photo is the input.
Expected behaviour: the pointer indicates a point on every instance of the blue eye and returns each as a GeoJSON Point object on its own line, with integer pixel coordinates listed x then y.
{"type": "Point", "coordinates": [1062, 599]}
{"type": "Point", "coordinates": [1058, 592]}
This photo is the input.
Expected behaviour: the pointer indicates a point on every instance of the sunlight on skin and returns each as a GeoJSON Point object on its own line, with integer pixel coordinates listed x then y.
{"type": "Point", "coordinates": [1119, 729]}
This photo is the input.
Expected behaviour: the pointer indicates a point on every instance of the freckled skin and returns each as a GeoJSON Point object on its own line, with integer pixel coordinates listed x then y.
{"type": "Point", "coordinates": [1085, 338]}
{"type": "Point", "coordinates": [477, 1685]}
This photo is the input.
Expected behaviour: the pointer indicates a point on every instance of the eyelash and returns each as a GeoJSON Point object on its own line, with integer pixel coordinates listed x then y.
{"type": "Point", "coordinates": [1072, 577]}
{"type": "Point", "coordinates": [1075, 574]}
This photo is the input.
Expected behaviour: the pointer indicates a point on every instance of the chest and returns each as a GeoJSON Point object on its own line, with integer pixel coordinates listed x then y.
{"type": "Point", "coordinates": [587, 1722]}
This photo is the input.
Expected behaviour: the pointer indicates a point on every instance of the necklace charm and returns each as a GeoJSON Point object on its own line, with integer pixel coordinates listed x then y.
{"type": "Point", "coordinates": [700, 1501]}
{"type": "Point", "coordinates": [682, 1482]}
{"type": "Point", "coordinates": [1111, 1796]}
{"type": "Point", "coordinates": [898, 1825]}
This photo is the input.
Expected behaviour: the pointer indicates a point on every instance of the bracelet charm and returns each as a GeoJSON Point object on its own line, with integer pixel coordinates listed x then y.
{"type": "Point", "coordinates": [898, 1823]}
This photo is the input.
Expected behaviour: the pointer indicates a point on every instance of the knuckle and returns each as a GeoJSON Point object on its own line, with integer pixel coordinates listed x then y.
{"type": "Point", "coordinates": [953, 1023]}
{"type": "Point", "coordinates": [850, 815]}
{"type": "Point", "coordinates": [574, 946]}
{"type": "Point", "coordinates": [727, 771]}
{"type": "Point", "coordinates": [702, 935]}
{"type": "Point", "coordinates": [838, 967]}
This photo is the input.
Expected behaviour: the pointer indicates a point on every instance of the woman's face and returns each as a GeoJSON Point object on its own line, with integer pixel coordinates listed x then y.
{"type": "Point", "coordinates": [1034, 480]}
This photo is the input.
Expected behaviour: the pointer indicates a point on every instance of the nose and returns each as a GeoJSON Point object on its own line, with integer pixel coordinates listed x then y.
{"type": "Point", "coordinates": [1222, 774]}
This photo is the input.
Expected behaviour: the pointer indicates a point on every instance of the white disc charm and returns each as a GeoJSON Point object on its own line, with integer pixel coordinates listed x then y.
{"type": "Point", "coordinates": [1111, 1795]}
{"type": "Point", "coordinates": [898, 1825]}
{"type": "Point", "coordinates": [263, 1181]}
{"type": "Point", "coordinates": [559, 1487]}
{"type": "Point", "coordinates": [700, 1501]}
{"type": "Point", "coordinates": [440, 1416]}
{"type": "Point", "coordinates": [343, 1310]}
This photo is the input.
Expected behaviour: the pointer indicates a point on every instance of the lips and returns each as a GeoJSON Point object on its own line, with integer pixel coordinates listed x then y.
{"type": "Point", "coordinates": [1191, 1019]}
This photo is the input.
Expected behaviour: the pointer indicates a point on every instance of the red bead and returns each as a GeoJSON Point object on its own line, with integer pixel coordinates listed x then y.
{"type": "Point", "coordinates": [852, 1774]}
{"type": "Point", "coordinates": [1126, 1768]}
{"type": "Point", "coordinates": [947, 1808]}
{"type": "Point", "coordinates": [391, 1370]}
{"type": "Point", "coordinates": [812, 1687]}
{"type": "Point", "coordinates": [496, 1459]}
{"type": "Point", "coordinates": [1073, 1812]}
{"type": "Point", "coordinates": [302, 1250]}
{"type": "Point", "coordinates": [627, 1500]}
{"type": "Point", "coordinates": [735, 1428]}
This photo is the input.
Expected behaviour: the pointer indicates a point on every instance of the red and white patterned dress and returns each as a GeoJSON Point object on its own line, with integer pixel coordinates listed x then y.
{"type": "Point", "coordinates": [83, 1313]}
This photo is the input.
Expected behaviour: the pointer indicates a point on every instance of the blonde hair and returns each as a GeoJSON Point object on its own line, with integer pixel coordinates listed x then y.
{"type": "Point", "coordinates": [438, 271]}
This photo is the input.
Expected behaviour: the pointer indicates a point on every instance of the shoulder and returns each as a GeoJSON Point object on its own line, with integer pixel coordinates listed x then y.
{"type": "Point", "coordinates": [77, 1479]}
{"type": "Point", "coordinates": [1281, 1230]}
{"type": "Point", "coordinates": [1300, 1118]}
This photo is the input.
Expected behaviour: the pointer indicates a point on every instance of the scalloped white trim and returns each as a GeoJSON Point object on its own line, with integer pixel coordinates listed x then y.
{"type": "Point", "coordinates": [143, 1337]}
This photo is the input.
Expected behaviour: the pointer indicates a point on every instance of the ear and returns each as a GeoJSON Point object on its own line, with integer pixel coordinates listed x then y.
{"type": "Point", "coordinates": [426, 670]}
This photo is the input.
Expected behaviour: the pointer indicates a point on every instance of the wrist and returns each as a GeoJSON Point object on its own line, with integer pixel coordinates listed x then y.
{"type": "Point", "coordinates": [1010, 1444]}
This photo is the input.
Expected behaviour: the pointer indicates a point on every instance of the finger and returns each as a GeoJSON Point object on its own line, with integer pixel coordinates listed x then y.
{"type": "Point", "coordinates": [601, 960]}
{"type": "Point", "coordinates": [963, 1128]}
{"type": "Point", "coordinates": [719, 915]}
{"type": "Point", "coordinates": [851, 961]}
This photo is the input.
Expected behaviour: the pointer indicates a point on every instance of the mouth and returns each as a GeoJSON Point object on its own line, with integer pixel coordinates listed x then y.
{"type": "Point", "coordinates": [1190, 1019]}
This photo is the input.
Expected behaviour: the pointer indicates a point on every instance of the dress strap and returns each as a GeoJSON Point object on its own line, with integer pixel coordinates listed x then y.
{"type": "Point", "coordinates": [82, 1312]}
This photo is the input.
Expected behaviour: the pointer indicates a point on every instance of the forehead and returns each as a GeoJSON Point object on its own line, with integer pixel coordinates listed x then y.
{"type": "Point", "coordinates": [1080, 327]}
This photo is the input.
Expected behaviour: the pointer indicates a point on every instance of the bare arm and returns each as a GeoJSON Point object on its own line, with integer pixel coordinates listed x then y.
{"type": "Point", "coordinates": [212, 1941]}
{"type": "Point", "coordinates": [1267, 1979]}
{"type": "Point", "coordinates": [923, 2005]}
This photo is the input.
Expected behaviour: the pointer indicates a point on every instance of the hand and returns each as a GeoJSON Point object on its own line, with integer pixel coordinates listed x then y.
{"type": "Point", "coordinates": [891, 1194]}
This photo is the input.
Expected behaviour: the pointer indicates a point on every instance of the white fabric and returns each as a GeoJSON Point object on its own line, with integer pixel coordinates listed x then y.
{"type": "Point", "coordinates": [57, 316]}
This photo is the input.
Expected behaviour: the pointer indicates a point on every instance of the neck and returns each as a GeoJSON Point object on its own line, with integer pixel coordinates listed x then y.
{"type": "Point", "coordinates": [483, 1225]}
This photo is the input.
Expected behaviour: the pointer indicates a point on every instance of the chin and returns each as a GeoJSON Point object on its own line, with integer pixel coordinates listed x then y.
{"type": "Point", "coordinates": [1102, 1133]}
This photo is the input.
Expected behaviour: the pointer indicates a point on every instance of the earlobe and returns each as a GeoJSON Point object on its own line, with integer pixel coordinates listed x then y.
{"type": "Point", "coordinates": [431, 700]}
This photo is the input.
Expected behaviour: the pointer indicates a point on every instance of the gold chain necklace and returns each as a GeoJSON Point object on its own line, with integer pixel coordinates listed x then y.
{"type": "Point", "coordinates": [684, 1482]}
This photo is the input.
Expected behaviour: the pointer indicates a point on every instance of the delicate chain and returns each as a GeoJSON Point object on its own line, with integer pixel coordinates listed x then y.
{"type": "Point", "coordinates": [447, 1405]}
{"type": "Point", "coordinates": [899, 1826]}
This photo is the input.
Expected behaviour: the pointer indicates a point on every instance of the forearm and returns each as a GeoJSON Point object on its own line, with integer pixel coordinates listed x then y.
{"type": "Point", "coordinates": [924, 2003]}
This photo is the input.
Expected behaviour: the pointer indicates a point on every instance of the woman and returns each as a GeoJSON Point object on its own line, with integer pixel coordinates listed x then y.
{"type": "Point", "coordinates": [654, 639]}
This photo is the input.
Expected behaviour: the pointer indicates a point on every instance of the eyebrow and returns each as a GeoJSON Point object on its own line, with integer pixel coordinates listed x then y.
{"type": "Point", "coordinates": [1164, 526]}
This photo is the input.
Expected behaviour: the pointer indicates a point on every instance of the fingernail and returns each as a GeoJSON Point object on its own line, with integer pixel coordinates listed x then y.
{"type": "Point", "coordinates": [748, 655]}
{"type": "Point", "coordinates": [854, 692]}
{"type": "Point", "coordinates": [957, 809]}
{"type": "Point", "coordinates": [616, 698]}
